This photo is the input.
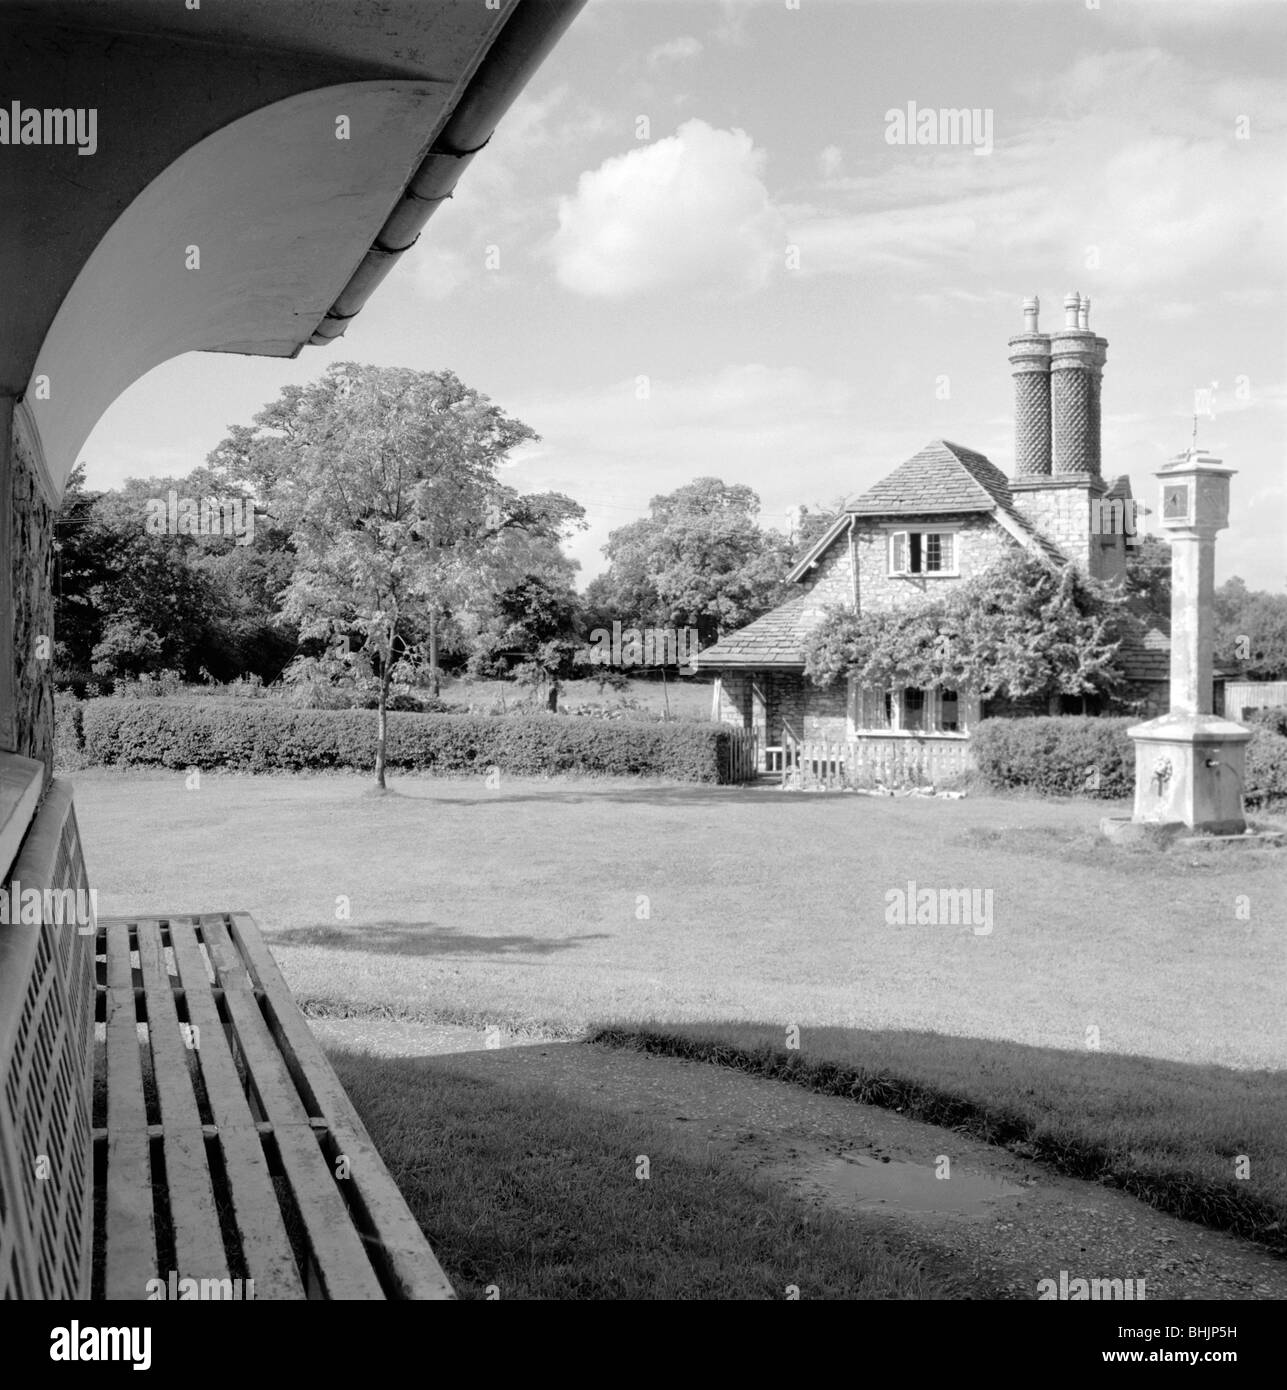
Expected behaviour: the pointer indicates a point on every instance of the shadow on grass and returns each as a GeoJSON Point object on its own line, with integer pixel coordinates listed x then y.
{"type": "Point", "coordinates": [425, 939]}
{"type": "Point", "coordinates": [1200, 1142]}
{"type": "Point", "coordinates": [531, 1194]}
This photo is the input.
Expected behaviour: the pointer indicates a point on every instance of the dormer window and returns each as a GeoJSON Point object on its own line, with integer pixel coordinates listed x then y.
{"type": "Point", "coordinates": [922, 552]}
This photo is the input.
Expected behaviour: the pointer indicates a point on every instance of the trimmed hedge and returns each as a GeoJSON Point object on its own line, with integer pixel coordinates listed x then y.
{"type": "Point", "coordinates": [1062, 755]}
{"type": "Point", "coordinates": [69, 733]}
{"type": "Point", "coordinates": [259, 736]}
{"type": "Point", "coordinates": [1266, 781]}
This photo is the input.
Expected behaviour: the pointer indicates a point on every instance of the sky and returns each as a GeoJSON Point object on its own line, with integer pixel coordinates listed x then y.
{"type": "Point", "coordinates": [692, 249]}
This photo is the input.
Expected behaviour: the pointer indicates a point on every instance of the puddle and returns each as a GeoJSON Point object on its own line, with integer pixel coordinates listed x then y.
{"type": "Point", "coordinates": [908, 1187]}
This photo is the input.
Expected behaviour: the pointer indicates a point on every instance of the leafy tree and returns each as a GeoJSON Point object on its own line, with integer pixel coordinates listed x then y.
{"type": "Point", "coordinates": [1021, 628]}
{"type": "Point", "coordinates": [1148, 580]}
{"type": "Point", "coordinates": [386, 481]}
{"type": "Point", "coordinates": [811, 524]}
{"type": "Point", "coordinates": [1251, 630]}
{"type": "Point", "coordinates": [699, 559]}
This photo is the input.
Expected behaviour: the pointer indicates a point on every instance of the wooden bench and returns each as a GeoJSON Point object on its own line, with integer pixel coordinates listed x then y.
{"type": "Point", "coordinates": [167, 1115]}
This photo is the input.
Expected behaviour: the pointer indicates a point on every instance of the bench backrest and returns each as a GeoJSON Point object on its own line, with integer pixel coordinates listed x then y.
{"type": "Point", "coordinates": [47, 1002]}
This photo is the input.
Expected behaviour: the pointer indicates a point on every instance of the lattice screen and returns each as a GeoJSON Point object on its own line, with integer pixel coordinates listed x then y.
{"type": "Point", "coordinates": [46, 1019]}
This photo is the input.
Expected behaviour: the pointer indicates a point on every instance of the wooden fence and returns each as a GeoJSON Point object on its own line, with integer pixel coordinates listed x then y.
{"type": "Point", "coordinates": [871, 762]}
{"type": "Point", "coordinates": [742, 757]}
{"type": "Point", "coordinates": [1248, 695]}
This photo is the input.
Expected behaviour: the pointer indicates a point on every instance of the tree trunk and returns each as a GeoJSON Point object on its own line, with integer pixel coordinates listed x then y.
{"type": "Point", "coordinates": [383, 724]}
{"type": "Point", "coordinates": [434, 682]}
{"type": "Point", "coordinates": [552, 697]}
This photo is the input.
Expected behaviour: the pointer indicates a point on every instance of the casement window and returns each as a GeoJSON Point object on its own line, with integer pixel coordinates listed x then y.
{"type": "Point", "coordinates": [922, 552]}
{"type": "Point", "coordinates": [909, 710]}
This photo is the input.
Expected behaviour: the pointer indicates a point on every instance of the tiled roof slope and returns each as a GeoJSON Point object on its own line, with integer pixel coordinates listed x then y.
{"type": "Point", "coordinates": [776, 639]}
{"type": "Point", "coordinates": [943, 477]}
{"type": "Point", "coordinates": [1146, 656]}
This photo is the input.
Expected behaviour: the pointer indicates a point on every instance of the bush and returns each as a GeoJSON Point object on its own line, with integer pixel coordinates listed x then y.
{"type": "Point", "coordinates": [264, 737]}
{"type": "Point", "coordinates": [1266, 780]}
{"type": "Point", "coordinates": [1064, 755]}
{"type": "Point", "coordinates": [1274, 719]}
{"type": "Point", "coordinates": [69, 734]}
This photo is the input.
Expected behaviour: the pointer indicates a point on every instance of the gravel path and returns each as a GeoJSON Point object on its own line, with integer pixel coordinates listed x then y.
{"type": "Point", "coordinates": [1007, 1224]}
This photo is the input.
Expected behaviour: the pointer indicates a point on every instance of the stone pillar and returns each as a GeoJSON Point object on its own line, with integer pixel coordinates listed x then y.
{"type": "Point", "coordinates": [1030, 365]}
{"type": "Point", "coordinates": [1192, 622]}
{"type": "Point", "coordinates": [1190, 764]}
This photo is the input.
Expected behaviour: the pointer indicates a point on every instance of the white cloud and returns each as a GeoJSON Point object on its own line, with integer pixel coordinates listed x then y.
{"type": "Point", "coordinates": [675, 50]}
{"type": "Point", "coordinates": [1133, 162]}
{"type": "Point", "coordinates": [688, 210]}
{"type": "Point", "coordinates": [829, 161]}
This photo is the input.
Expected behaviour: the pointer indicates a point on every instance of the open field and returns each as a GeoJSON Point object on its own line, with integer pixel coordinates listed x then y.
{"type": "Point", "coordinates": [525, 906]}
{"type": "Point", "coordinates": [706, 921]}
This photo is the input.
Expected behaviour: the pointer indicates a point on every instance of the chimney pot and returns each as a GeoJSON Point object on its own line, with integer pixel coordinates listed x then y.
{"type": "Point", "coordinates": [1031, 308]}
{"type": "Point", "coordinates": [1072, 309]}
{"type": "Point", "coordinates": [1083, 314]}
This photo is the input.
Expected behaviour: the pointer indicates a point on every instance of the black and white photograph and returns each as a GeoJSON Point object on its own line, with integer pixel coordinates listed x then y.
{"type": "Point", "coordinates": [643, 658]}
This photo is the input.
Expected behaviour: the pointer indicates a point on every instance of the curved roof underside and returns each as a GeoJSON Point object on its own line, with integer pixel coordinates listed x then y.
{"type": "Point", "coordinates": [216, 134]}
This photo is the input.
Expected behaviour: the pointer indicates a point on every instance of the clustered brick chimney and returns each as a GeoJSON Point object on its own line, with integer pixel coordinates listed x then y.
{"type": "Point", "coordinates": [1056, 394]}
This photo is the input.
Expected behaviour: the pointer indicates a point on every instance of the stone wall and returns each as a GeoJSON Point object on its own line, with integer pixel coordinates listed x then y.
{"type": "Point", "coordinates": [980, 542]}
{"type": "Point", "coordinates": [30, 548]}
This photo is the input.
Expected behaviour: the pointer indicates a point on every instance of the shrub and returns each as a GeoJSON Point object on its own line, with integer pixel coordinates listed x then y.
{"type": "Point", "coordinates": [158, 686]}
{"type": "Point", "coordinates": [1064, 755]}
{"type": "Point", "coordinates": [1266, 780]}
{"type": "Point", "coordinates": [1274, 719]}
{"type": "Point", "coordinates": [69, 734]}
{"type": "Point", "coordinates": [262, 737]}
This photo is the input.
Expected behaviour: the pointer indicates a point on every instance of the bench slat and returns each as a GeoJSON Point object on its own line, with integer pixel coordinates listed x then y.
{"type": "Point", "coordinates": [130, 1233]}
{"type": "Point", "coordinates": [413, 1263]}
{"type": "Point", "coordinates": [264, 1240]}
{"type": "Point", "coordinates": [198, 1241]}
{"type": "Point", "coordinates": [337, 1247]}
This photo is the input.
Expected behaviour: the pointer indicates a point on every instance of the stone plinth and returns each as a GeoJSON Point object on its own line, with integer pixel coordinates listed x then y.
{"type": "Point", "coordinates": [1189, 770]}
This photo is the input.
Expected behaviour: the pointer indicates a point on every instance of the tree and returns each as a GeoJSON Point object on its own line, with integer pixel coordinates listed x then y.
{"type": "Point", "coordinates": [1148, 580]}
{"type": "Point", "coordinates": [114, 573]}
{"type": "Point", "coordinates": [699, 559]}
{"type": "Point", "coordinates": [1251, 630]}
{"type": "Point", "coordinates": [386, 481]}
{"type": "Point", "coordinates": [1022, 628]}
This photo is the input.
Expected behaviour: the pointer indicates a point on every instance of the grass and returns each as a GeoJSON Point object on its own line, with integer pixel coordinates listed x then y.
{"type": "Point", "coordinates": [1167, 1133]}
{"type": "Point", "coordinates": [704, 921]}
{"type": "Point", "coordinates": [550, 905]}
{"type": "Point", "coordinates": [539, 1198]}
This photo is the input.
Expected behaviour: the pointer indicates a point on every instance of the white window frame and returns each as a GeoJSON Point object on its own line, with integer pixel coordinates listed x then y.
{"type": "Point", "coordinates": [967, 713]}
{"type": "Point", "coordinates": [903, 537]}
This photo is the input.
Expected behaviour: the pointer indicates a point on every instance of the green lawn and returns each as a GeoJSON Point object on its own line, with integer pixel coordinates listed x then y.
{"type": "Point", "coordinates": [530, 1196]}
{"type": "Point", "coordinates": [525, 906]}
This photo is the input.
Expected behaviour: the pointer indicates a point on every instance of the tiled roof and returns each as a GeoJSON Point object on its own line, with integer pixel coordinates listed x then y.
{"type": "Point", "coordinates": [943, 477]}
{"type": "Point", "coordinates": [776, 639]}
{"type": "Point", "coordinates": [1146, 656]}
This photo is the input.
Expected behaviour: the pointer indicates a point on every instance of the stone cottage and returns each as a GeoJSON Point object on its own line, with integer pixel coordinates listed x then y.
{"type": "Point", "coordinates": [932, 524]}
